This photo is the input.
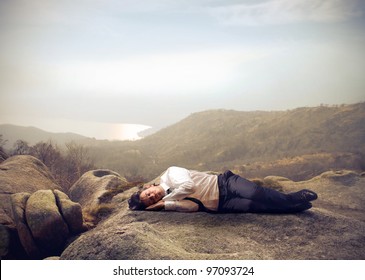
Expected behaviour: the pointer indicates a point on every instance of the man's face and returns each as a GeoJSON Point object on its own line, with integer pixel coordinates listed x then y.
{"type": "Point", "coordinates": [151, 195]}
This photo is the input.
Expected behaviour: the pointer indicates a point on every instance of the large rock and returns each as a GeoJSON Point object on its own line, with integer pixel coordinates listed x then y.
{"type": "Point", "coordinates": [19, 201]}
{"type": "Point", "coordinates": [45, 220]}
{"type": "Point", "coordinates": [95, 191]}
{"type": "Point", "coordinates": [25, 173]}
{"type": "Point", "coordinates": [92, 185]}
{"type": "Point", "coordinates": [333, 229]}
{"type": "Point", "coordinates": [4, 241]}
{"type": "Point", "coordinates": [70, 211]}
{"type": "Point", "coordinates": [20, 174]}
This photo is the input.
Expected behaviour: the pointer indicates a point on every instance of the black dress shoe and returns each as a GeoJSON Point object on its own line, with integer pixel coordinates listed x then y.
{"type": "Point", "coordinates": [301, 207]}
{"type": "Point", "coordinates": [304, 196]}
{"type": "Point", "coordinates": [296, 208]}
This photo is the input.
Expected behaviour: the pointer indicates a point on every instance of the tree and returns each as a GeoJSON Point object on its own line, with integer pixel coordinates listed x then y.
{"type": "Point", "coordinates": [2, 142]}
{"type": "Point", "coordinates": [48, 153]}
{"type": "Point", "coordinates": [78, 160]}
{"type": "Point", "coordinates": [3, 155]}
{"type": "Point", "coordinates": [21, 147]}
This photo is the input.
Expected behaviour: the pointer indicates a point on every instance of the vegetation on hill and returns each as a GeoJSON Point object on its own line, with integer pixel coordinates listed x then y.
{"type": "Point", "coordinates": [3, 154]}
{"type": "Point", "coordinates": [224, 136]}
{"type": "Point", "coordinates": [66, 165]}
{"type": "Point", "coordinates": [297, 144]}
{"type": "Point", "coordinates": [311, 140]}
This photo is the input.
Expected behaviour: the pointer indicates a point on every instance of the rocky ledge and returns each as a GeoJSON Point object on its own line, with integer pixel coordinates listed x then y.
{"type": "Point", "coordinates": [37, 218]}
{"type": "Point", "coordinates": [47, 222]}
{"type": "Point", "coordinates": [333, 229]}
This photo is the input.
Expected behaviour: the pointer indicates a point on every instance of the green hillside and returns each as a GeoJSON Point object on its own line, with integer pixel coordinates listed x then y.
{"type": "Point", "coordinates": [297, 144]}
{"type": "Point", "coordinates": [224, 136]}
{"type": "Point", "coordinates": [219, 139]}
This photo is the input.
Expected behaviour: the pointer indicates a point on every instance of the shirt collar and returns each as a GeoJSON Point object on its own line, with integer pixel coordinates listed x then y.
{"type": "Point", "coordinates": [165, 187]}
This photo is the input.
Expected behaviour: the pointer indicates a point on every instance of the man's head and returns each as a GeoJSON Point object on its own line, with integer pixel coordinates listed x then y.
{"type": "Point", "coordinates": [149, 195]}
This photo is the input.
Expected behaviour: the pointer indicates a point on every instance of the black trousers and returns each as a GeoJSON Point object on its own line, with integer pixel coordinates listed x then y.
{"type": "Point", "coordinates": [237, 194]}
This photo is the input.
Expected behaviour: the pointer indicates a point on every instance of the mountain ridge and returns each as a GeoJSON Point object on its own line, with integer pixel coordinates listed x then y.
{"type": "Point", "coordinates": [297, 143]}
{"type": "Point", "coordinates": [31, 134]}
{"type": "Point", "coordinates": [236, 133]}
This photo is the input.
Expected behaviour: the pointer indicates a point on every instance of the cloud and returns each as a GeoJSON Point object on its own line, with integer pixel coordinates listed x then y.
{"type": "Point", "coordinates": [274, 12]}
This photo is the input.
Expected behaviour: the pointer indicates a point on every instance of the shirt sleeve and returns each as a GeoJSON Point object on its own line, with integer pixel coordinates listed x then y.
{"type": "Point", "coordinates": [179, 181]}
{"type": "Point", "coordinates": [181, 206]}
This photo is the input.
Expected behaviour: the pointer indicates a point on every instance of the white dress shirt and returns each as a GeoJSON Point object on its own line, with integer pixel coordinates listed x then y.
{"type": "Point", "coordinates": [184, 183]}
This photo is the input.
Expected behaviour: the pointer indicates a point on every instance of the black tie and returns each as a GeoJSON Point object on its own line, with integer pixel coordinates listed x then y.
{"type": "Point", "coordinates": [168, 191]}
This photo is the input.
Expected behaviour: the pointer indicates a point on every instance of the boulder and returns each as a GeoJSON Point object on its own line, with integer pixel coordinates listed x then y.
{"type": "Point", "coordinates": [4, 241]}
{"type": "Point", "coordinates": [20, 174]}
{"type": "Point", "coordinates": [92, 185]}
{"type": "Point", "coordinates": [25, 173]}
{"type": "Point", "coordinates": [45, 220]}
{"type": "Point", "coordinates": [46, 223]}
{"type": "Point", "coordinates": [19, 201]}
{"type": "Point", "coordinates": [333, 229]}
{"type": "Point", "coordinates": [95, 191]}
{"type": "Point", "coordinates": [70, 211]}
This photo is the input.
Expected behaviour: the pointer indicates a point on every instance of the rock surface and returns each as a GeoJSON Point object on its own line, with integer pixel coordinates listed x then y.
{"type": "Point", "coordinates": [45, 221]}
{"type": "Point", "coordinates": [95, 190]}
{"type": "Point", "coordinates": [333, 229]}
{"type": "Point", "coordinates": [90, 187]}
{"type": "Point", "coordinates": [21, 174]}
{"type": "Point", "coordinates": [36, 218]}
{"type": "Point", "coordinates": [70, 211]}
{"type": "Point", "coordinates": [19, 201]}
{"type": "Point", "coordinates": [4, 240]}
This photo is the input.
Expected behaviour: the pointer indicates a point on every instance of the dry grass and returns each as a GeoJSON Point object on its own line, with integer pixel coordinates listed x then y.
{"type": "Point", "coordinates": [93, 215]}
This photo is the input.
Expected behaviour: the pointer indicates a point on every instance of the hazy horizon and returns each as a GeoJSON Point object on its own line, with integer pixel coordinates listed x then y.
{"type": "Point", "coordinates": [109, 131]}
{"type": "Point", "coordinates": [107, 69]}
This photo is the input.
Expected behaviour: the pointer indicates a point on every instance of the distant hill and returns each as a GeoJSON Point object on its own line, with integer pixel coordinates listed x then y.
{"type": "Point", "coordinates": [221, 136]}
{"type": "Point", "coordinates": [298, 144]}
{"type": "Point", "coordinates": [32, 135]}
{"type": "Point", "coordinates": [312, 138]}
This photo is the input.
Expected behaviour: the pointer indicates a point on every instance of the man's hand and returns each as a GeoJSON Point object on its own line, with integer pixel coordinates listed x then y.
{"type": "Point", "coordinates": [157, 206]}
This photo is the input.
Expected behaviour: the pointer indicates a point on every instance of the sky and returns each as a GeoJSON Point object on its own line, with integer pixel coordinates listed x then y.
{"type": "Point", "coordinates": [110, 68]}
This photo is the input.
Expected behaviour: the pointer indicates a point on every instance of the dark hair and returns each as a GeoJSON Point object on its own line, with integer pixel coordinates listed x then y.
{"type": "Point", "coordinates": [135, 202]}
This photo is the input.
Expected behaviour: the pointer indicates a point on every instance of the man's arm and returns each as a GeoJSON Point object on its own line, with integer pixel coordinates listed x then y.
{"type": "Point", "coordinates": [160, 205]}
{"type": "Point", "coordinates": [178, 206]}
{"type": "Point", "coordinates": [181, 206]}
{"type": "Point", "coordinates": [180, 181]}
